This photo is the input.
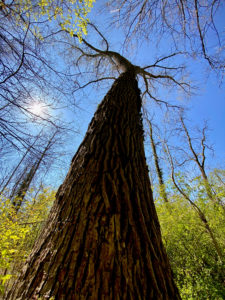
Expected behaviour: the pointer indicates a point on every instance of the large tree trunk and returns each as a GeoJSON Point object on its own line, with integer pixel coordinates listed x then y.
{"type": "Point", "coordinates": [102, 239]}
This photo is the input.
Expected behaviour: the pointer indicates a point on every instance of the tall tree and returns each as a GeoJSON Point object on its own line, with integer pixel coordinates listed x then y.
{"type": "Point", "coordinates": [102, 239]}
{"type": "Point", "coordinates": [159, 172]}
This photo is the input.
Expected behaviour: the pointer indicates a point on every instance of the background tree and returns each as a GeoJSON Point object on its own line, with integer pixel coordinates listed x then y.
{"type": "Point", "coordinates": [23, 184]}
{"type": "Point", "coordinates": [199, 158]}
{"type": "Point", "coordinates": [41, 158]}
{"type": "Point", "coordinates": [158, 169]}
{"type": "Point", "coordinates": [199, 211]}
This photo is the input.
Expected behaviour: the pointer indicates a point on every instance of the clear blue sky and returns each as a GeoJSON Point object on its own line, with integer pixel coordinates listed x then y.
{"type": "Point", "coordinates": [210, 105]}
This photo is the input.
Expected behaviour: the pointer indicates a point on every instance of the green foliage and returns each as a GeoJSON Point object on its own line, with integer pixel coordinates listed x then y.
{"type": "Point", "coordinates": [19, 231]}
{"type": "Point", "coordinates": [70, 14]}
{"type": "Point", "coordinates": [198, 271]}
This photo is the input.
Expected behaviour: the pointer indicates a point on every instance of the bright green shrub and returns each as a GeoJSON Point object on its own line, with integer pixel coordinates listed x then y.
{"type": "Point", "coordinates": [198, 271]}
{"type": "Point", "coordinates": [19, 231]}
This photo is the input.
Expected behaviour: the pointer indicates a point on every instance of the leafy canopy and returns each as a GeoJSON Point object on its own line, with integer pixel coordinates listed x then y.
{"type": "Point", "coordinates": [70, 14]}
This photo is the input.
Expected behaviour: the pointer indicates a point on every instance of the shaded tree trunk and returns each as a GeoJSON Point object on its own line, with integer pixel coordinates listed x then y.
{"type": "Point", "coordinates": [157, 166]}
{"type": "Point", "coordinates": [21, 189]}
{"type": "Point", "coordinates": [23, 183]}
{"type": "Point", "coordinates": [102, 239]}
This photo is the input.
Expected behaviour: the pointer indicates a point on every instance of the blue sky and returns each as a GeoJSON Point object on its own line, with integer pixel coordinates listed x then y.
{"type": "Point", "coordinates": [210, 105]}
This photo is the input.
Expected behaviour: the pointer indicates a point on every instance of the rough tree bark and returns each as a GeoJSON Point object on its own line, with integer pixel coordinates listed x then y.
{"type": "Point", "coordinates": [102, 239]}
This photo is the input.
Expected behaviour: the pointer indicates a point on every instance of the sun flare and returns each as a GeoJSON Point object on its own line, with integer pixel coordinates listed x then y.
{"type": "Point", "coordinates": [37, 109]}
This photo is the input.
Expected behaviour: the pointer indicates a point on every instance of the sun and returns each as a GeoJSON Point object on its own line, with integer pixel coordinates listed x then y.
{"type": "Point", "coordinates": [37, 109]}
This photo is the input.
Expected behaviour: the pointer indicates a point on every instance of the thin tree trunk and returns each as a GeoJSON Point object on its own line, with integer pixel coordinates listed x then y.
{"type": "Point", "coordinates": [18, 195]}
{"type": "Point", "coordinates": [16, 168]}
{"type": "Point", "coordinates": [157, 166]}
{"type": "Point", "coordinates": [201, 164]}
{"type": "Point", "coordinates": [102, 239]}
